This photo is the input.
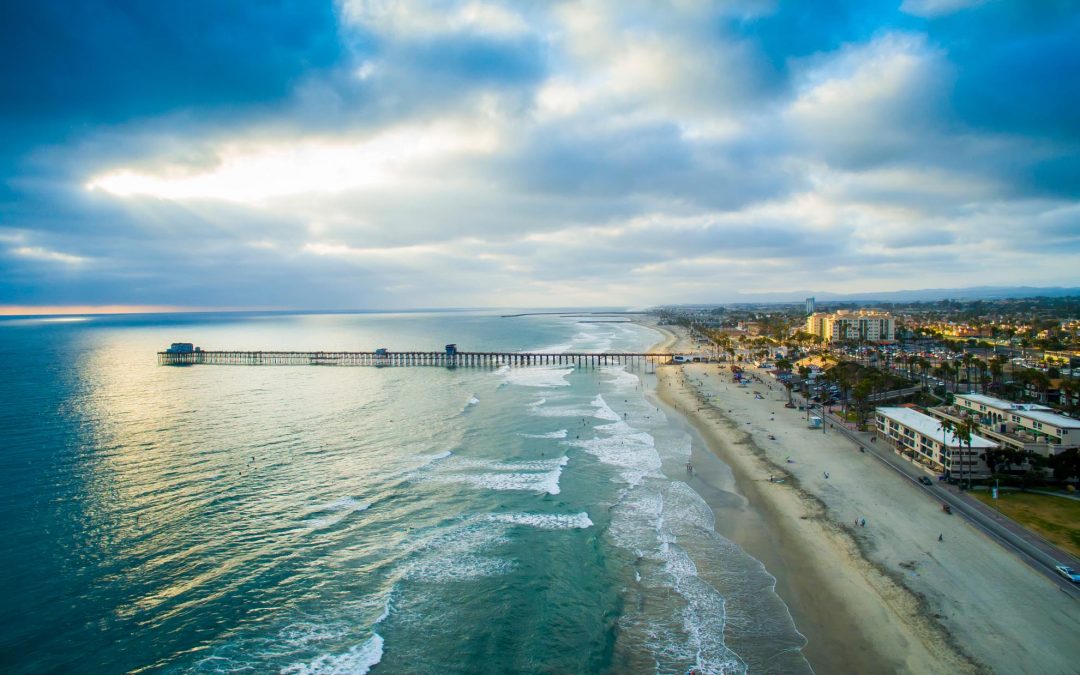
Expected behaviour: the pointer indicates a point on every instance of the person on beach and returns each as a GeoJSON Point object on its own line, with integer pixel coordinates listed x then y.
{"type": "Point", "coordinates": [826, 474]}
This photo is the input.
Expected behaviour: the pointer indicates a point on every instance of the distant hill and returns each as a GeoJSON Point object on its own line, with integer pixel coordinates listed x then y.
{"type": "Point", "coordinates": [922, 295]}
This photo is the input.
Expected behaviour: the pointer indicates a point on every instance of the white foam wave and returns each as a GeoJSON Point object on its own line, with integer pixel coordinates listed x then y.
{"type": "Point", "coordinates": [635, 520]}
{"type": "Point", "coordinates": [561, 411]}
{"type": "Point", "coordinates": [645, 520]}
{"type": "Point", "coordinates": [357, 661]}
{"type": "Point", "coordinates": [688, 508]}
{"type": "Point", "coordinates": [561, 433]}
{"type": "Point", "coordinates": [456, 554]}
{"type": "Point", "coordinates": [458, 463]}
{"type": "Point", "coordinates": [545, 521]}
{"type": "Point", "coordinates": [472, 400]}
{"type": "Point", "coordinates": [537, 376]}
{"type": "Point", "coordinates": [602, 410]}
{"type": "Point", "coordinates": [622, 379]}
{"type": "Point", "coordinates": [537, 475]}
{"type": "Point", "coordinates": [302, 635]}
{"type": "Point", "coordinates": [528, 482]}
{"type": "Point", "coordinates": [704, 616]}
{"type": "Point", "coordinates": [333, 513]}
{"type": "Point", "coordinates": [633, 452]}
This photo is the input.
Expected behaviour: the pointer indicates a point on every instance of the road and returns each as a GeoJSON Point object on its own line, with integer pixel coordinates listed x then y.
{"type": "Point", "coordinates": [1032, 549]}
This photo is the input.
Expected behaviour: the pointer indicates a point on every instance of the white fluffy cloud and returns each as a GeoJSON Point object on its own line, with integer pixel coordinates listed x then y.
{"type": "Point", "coordinates": [567, 153]}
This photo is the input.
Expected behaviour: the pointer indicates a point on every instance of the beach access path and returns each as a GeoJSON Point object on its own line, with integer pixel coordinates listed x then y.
{"type": "Point", "coordinates": [890, 592]}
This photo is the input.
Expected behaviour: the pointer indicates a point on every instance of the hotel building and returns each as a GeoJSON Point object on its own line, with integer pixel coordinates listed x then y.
{"type": "Point", "coordinates": [922, 439]}
{"type": "Point", "coordinates": [1020, 426]}
{"type": "Point", "coordinates": [863, 325]}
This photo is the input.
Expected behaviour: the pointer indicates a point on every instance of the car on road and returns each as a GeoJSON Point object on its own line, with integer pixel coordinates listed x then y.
{"type": "Point", "coordinates": [925, 480]}
{"type": "Point", "coordinates": [1069, 573]}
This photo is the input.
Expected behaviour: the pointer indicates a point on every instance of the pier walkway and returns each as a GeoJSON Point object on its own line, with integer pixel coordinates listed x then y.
{"type": "Point", "coordinates": [410, 358]}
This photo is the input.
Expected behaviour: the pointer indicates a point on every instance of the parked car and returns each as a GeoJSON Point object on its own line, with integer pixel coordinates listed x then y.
{"type": "Point", "coordinates": [925, 480]}
{"type": "Point", "coordinates": [1069, 573]}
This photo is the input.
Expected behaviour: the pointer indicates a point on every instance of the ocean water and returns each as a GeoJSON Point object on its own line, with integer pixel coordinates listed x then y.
{"type": "Point", "coordinates": [341, 520]}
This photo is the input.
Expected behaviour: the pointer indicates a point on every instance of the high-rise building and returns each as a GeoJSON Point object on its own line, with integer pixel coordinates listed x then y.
{"type": "Point", "coordinates": [864, 326]}
{"type": "Point", "coordinates": [810, 306]}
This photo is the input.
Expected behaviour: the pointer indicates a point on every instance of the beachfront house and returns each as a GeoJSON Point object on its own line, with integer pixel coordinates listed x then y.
{"type": "Point", "coordinates": [923, 440]}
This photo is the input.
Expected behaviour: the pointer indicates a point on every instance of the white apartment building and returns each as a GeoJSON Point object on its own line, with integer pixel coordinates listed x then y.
{"type": "Point", "coordinates": [1023, 426]}
{"type": "Point", "coordinates": [922, 439]}
{"type": "Point", "coordinates": [864, 325]}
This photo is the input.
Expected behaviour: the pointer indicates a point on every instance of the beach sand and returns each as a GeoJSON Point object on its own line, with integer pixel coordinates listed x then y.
{"type": "Point", "coordinates": [887, 597]}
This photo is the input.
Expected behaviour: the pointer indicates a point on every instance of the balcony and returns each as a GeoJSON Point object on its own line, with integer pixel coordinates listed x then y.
{"type": "Point", "coordinates": [1017, 438]}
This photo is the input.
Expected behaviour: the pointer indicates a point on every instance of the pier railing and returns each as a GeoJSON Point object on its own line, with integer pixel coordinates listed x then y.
{"type": "Point", "coordinates": [399, 359]}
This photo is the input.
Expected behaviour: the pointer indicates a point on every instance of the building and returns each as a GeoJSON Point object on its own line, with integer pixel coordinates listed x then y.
{"type": "Point", "coordinates": [810, 305]}
{"type": "Point", "coordinates": [923, 439]}
{"type": "Point", "coordinates": [864, 325]}
{"type": "Point", "coordinates": [1028, 427]}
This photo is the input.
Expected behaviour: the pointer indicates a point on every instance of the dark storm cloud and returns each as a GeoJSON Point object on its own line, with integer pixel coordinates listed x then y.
{"type": "Point", "coordinates": [71, 66]}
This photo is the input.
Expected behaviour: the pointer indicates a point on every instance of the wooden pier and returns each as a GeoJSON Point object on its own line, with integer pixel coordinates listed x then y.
{"type": "Point", "coordinates": [399, 359]}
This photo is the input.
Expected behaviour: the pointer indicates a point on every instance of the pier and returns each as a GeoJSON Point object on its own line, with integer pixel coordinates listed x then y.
{"type": "Point", "coordinates": [386, 358]}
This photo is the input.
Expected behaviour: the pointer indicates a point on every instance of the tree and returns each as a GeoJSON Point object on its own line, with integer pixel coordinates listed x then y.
{"type": "Point", "coordinates": [964, 431]}
{"type": "Point", "coordinates": [1066, 464]}
{"type": "Point", "coordinates": [861, 393]}
{"type": "Point", "coordinates": [947, 428]}
{"type": "Point", "coordinates": [1005, 458]}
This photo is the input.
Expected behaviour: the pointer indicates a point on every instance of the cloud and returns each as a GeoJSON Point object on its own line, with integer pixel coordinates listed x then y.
{"type": "Point", "coordinates": [303, 166]}
{"type": "Point", "coordinates": [386, 154]}
{"type": "Point", "coordinates": [46, 255]}
{"type": "Point", "coordinates": [934, 8]}
{"type": "Point", "coordinates": [871, 103]}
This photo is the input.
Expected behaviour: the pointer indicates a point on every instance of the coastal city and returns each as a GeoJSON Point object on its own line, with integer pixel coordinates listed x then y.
{"type": "Point", "coordinates": [889, 426]}
{"type": "Point", "coordinates": [1000, 379]}
{"type": "Point", "coordinates": [576, 337]}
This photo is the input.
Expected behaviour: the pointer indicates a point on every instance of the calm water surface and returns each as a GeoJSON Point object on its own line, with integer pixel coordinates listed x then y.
{"type": "Point", "coordinates": [340, 520]}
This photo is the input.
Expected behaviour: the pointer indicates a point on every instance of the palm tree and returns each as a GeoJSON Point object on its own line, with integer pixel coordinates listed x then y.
{"type": "Point", "coordinates": [947, 427]}
{"type": "Point", "coordinates": [804, 375]}
{"type": "Point", "coordinates": [969, 360]}
{"type": "Point", "coordinates": [965, 431]}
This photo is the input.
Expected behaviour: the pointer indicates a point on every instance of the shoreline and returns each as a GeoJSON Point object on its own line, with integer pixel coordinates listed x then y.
{"type": "Point", "coordinates": [827, 584]}
{"type": "Point", "coordinates": [888, 597]}
{"type": "Point", "coordinates": [837, 598]}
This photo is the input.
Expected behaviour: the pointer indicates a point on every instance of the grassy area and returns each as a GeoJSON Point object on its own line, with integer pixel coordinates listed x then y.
{"type": "Point", "coordinates": [1057, 519]}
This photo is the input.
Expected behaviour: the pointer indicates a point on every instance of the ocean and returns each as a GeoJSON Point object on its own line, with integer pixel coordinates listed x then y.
{"type": "Point", "coordinates": [347, 519]}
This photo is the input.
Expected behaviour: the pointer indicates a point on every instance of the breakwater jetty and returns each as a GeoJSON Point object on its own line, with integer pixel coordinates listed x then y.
{"type": "Point", "coordinates": [184, 354]}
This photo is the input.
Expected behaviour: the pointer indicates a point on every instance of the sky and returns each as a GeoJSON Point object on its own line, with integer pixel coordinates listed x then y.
{"type": "Point", "coordinates": [371, 154]}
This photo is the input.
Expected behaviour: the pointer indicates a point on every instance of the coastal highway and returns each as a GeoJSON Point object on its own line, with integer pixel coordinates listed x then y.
{"type": "Point", "coordinates": [1031, 548]}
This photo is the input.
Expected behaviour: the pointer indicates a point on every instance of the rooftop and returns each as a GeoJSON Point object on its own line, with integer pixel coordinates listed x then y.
{"type": "Point", "coordinates": [1039, 413]}
{"type": "Point", "coordinates": [1052, 418]}
{"type": "Point", "coordinates": [1001, 403]}
{"type": "Point", "coordinates": [928, 426]}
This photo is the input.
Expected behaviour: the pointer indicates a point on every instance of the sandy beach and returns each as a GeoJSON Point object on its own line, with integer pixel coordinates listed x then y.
{"type": "Point", "coordinates": [880, 598]}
